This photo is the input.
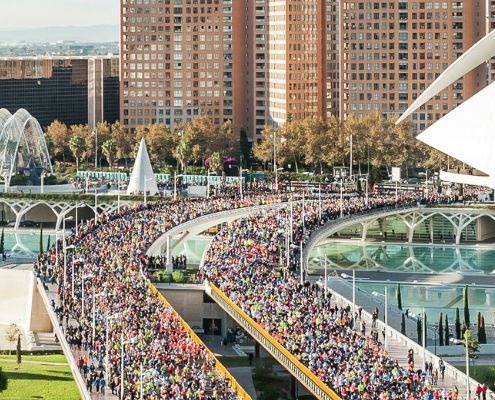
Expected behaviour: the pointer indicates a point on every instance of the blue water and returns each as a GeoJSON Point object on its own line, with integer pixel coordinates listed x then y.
{"type": "Point", "coordinates": [26, 243]}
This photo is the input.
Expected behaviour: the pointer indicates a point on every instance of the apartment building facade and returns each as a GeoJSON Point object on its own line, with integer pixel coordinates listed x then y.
{"type": "Point", "coordinates": [263, 62]}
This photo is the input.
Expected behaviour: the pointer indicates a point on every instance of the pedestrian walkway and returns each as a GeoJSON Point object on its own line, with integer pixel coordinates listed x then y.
{"type": "Point", "coordinates": [395, 348]}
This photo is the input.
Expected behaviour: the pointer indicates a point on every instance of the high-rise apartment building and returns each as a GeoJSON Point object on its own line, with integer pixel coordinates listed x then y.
{"type": "Point", "coordinates": [390, 51]}
{"type": "Point", "coordinates": [73, 90]}
{"type": "Point", "coordinates": [177, 60]}
{"type": "Point", "coordinates": [264, 62]}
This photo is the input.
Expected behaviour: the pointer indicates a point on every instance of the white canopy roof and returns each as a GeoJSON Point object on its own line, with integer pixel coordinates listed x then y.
{"type": "Point", "coordinates": [142, 177]}
{"type": "Point", "coordinates": [481, 51]}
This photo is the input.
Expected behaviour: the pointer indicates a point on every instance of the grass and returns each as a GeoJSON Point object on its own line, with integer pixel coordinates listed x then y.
{"type": "Point", "coordinates": [482, 373]}
{"type": "Point", "coordinates": [37, 381]}
{"type": "Point", "coordinates": [58, 358]}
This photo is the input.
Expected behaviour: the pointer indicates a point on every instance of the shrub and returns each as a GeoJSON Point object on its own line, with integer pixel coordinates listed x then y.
{"type": "Point", "coordinates": [3, 380]}
{"type": "Point", "coordinates": [178, 276]}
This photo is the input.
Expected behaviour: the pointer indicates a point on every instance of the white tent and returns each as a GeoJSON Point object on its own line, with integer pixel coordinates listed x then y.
{"type": "Point", "coordinates": [142, 177]}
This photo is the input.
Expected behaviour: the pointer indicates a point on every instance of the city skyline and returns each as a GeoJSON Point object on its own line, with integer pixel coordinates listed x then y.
{"type": "Point", "coordinates": [24, 14]}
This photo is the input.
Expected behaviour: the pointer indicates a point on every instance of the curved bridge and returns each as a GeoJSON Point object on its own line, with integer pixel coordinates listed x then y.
{"type": "Point", "coordinates": [195, 226]}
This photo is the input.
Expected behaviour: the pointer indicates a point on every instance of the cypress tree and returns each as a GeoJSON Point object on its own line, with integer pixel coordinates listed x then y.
{"type": "Point", "coordinates": [447, 333]}
{"type": "Point", "coordinates": [425, 328]}
{"type": "Point", "coordinates": [403, 325]}
{"type": "Point", "coordinates": [457, 324]}
{"type": "Point", "coordinates": [419, 329]}
{"type": "Point", "coordinates": [466, 307]}
{"type": "Point", "coordinates": [2, 242]}
{"type": "Point", "coordinates": [41, 239]}
{"type": "Point", "coordinates": [399, 297]}
{"type": "Point", "coordinates": [480, 333]}
{"type": "Point", "coordinates": [484, 329]}
{"type": "Point", "coordinates": [440, 330]}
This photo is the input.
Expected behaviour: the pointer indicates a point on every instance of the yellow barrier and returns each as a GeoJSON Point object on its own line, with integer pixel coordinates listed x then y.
{"type": "Point", "coordinates": [218, 365]}
{"type": "Point", "coordinates": [309, 379]}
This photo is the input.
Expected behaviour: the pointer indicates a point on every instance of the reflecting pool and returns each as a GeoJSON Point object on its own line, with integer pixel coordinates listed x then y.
{"type": "Point", "coordinates": [26, 244]}
{"type": "Point", "coordinates": [405, 258]}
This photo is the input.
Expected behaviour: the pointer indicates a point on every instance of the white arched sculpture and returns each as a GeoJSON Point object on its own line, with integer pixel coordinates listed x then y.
{"type": "Point", "coordinates": [142, 177]}
{"type": "Point", "coordinates": [22, 144]}
{"type": "Point", "coordinates": [467, 132]}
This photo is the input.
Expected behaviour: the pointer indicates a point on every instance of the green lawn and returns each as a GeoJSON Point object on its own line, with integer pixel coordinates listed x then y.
{"type": "Point", "coordinates": [482, 373]}
{"type": "Point", "coordinates": [36, 381]}
{"type": "Point", "coordinates": [58, 358]}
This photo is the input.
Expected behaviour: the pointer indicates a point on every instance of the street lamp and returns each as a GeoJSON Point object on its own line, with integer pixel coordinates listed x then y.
{"type": "Point", "coordinates": [365, 189]}
{"type": "Point", "coordinates": [275, 159]}
{"type": "Point", "coordinates": [175, 184]}
{"type": "Point", "coordinates": [109, 317]}
{"type": "Point", "coordinates": [240, 181]}
{"type": "Point", "coordinates": [83, 279]}
{"type": "Point", "coordinates": [64, 246]}
{"type": "Point", "coordinates": [71, 247]}
{"type": "Point", "coordinates": [122, 343]}
{"type": "Point", "coordinates": [96, 205]}
{"type": "Point", "coordinates": [386, 316]}
{"type": "Point", "coordinates": [341, 197]}
{"type": "Point", "coordinates": [95, 132]}
{"type": "Point", "coordinates": [146, 180]}
{"type": "Point", "coordinates": [43, 173]}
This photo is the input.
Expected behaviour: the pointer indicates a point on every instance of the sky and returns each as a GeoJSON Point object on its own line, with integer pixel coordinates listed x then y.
{"type": "Point", "coordinates": [22, 14]}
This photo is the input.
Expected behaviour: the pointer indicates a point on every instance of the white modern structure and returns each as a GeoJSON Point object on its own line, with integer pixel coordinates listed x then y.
{"type": "Point", "coordinates": [142, 177]}
{"type": "Point", "coordinates": [465, 133]}
{"type": "Point", "coordinates": [22, 144]}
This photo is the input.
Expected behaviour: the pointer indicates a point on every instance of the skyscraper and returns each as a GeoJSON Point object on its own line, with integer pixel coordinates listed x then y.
{"type": "Point", "coordinates": [264, 62]}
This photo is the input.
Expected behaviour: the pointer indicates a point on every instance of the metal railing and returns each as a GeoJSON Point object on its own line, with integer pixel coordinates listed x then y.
{"type": "Point", "coordinates": [337, 224]}
{"type": "Point", "coordinates": [283, 356]}
{"type": "Point", "coordinates": [63, 343]}
{"type": "Point", "coordinates": [242, 394]}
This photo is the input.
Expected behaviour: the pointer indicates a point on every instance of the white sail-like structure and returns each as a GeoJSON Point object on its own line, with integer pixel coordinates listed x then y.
{"type": "Point", "coordinates": [467, 132]}
{"type": "Point", "coordinates": [142, 177]}
{"type": "Point", "coordinates": [22, 144]}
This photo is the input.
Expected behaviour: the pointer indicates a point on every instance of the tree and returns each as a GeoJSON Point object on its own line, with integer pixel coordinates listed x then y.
{"type": "Point", "coordinates": [11, 334]}
{"type": "Point", "coordinates": [2, 242]}
{"type": "Point", "coordinates": [471, 343]}
{"type": "Point", "coordinates": [18, 351]}
{"type": "Point", "coordinates": [77, 146]}
{"type": "Point", "coordinates": [403, 324]}
{"type": "Point", "coordinates": [84, 132]}
{"type": "Point", "coordinates": [447, 330]}
{"type": "Point", "coordinates": [160, 141]}
{"type": "Point", "coordinates": [457, 324]}
{"type": "Point", "coordinates": [41, 239]}
{"type": "Point", "coordinates": [109, 149]}
{"type": "Point", "coordinates": [484, 341]}
{"type": "Point", "coordinates": [425, 327]}
{"type": "Point", "coordinates": [216, 163]}
{"type": "Point", "coordinates": [263, 150]}
{"type": "Point", "coordinates": [123, 141]}
{"type": "Point", "coordinates": [466, 307]}
{"type": "Point", "coordinates": [419, 330]}
{"type": "Point", "coordinates": [399, 297]}
{"type": "Point", "coordinates": [58, 135]}
{"type": "Point", "coordinates": [440, 330]}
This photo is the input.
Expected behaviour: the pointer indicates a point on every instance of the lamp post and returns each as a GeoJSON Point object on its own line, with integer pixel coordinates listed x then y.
{"type": "Point", "coordinates": [96, 205]}
{"type": "Point", "coordinates": [468, 392]}
{"type": "Point", "coordinates": [118, 195]}
{"type": "Point", "coordinates": [42, 182]}
{"type": "Point", "coordinates": [386, 316]}
{"type": "Point", "coordinates": [145, 191]}
{"type": "Point", "coordinates": [275, 159]}
{"type": "Point", "coordinates": [326, 276]}
{"type": "Point", "coordinates": [95, 132]}
{"type": "Point", "coordinates": [83, 279]}
{"type": "Point", "coordinates": [123, 342]}
{"type": "Point", "coordinates": [64, 246]}
{"type": "Point", "coordinates": [365, 189]}
{"type": "Point", "coordinates": [319, 201]}
{"type": "Point", "coordinates": [108, 319]}
{"type": "Point", "coordinates": [353, 292]}
{"type": "Point", "coordinates": [175, 184]}
{"type": "Point", "coordinates": [241, 194]}
{"type": "Point", "coordinates": [72, 247]}
{"type": "Point", "coordinates": [424, 336]}
{"type": "Point", "coordinates": [341, 197]}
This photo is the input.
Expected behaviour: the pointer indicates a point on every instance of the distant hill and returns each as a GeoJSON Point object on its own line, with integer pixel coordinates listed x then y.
{"type": "Point", "coordinates": [80, 34]}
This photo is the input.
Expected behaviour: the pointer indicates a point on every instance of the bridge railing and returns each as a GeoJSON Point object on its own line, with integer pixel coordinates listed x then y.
{"type": "Point", "coordinates": [283, 356]}
{"type": "Point", "coordinates": [81, 385]}
{"type": "Point", "coordinates": [242, 394]}
{"type": "Point", "coordinates": [334, 225]}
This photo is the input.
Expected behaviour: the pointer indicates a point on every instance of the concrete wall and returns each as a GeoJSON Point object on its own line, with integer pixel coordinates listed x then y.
{"type": "Point", "coordinates": [187, 300]}
{"type": "Point", "coordinates": [486, 228]}
{"type": "Point", "coordinates": [16, 293]}
{"type": "Point", "coordinates": [20, 302]}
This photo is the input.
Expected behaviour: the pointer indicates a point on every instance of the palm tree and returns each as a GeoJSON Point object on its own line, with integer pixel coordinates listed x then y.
{"type": "Point", "coordinates": [109, 149]}
{"type": "Point", "coordinates": [77, 146]}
